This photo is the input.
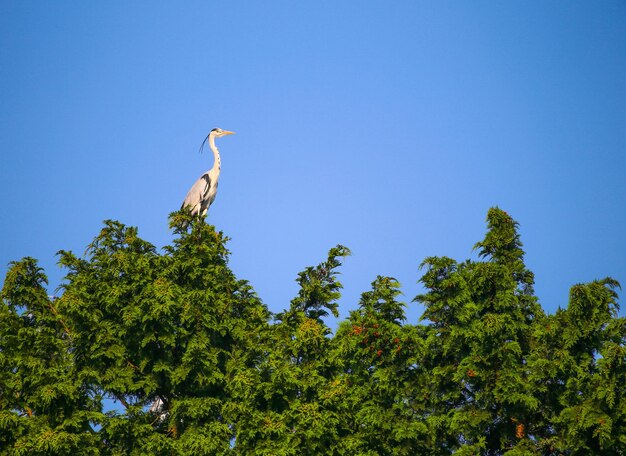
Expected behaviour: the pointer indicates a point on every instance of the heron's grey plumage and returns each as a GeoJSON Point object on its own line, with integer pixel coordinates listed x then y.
{"type": "Point", "coordinates": [202, 193]}
{"type": "Point", "coordinates": [198, 196]}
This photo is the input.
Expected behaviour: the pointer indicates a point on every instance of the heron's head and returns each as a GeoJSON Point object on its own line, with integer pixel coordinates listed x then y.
{"type": "Point", "coordinates": [215, 133]}
{"type": "Point", "coordinates": [218, 133]}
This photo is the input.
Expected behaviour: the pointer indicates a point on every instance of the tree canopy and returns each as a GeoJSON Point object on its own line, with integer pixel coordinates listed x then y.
{"type": "Point", "coordinates": [151, 351]}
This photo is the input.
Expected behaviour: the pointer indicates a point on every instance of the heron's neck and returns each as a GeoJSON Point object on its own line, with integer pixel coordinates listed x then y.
{"type": "Point", "coordinates": [217, 164]}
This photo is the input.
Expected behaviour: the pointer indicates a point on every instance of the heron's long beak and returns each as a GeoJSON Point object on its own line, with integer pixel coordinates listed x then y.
{"type": "Point", "coordinates": [226, 132]}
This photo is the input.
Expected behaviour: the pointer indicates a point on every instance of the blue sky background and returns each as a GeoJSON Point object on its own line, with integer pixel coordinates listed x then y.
{"type": "Point", "coordinates": [388, 127]}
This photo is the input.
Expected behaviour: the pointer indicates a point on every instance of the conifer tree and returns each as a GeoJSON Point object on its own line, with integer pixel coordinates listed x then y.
{"type": "Point", "coordinates": [291, 414]}
{"type": "Point", "coordinates": [176, 330]}
{"type": "Point", "coordinates": [45, 407]}
{"type": "Point", "coordinates": [583, 373]}
{"type": "Point", "coordinates": [481, 315]}
{"type": "Point", "coordinates": [167, 352]}
{"type": "Point", "coordinates": [381, 408]}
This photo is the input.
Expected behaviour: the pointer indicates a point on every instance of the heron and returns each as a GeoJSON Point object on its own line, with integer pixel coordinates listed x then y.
{"type": "Point", "coordinates": [202, 193]}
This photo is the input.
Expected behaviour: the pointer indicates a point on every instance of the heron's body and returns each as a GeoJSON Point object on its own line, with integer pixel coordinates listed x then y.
{"type": "Point", "coordinates": [202, 193]}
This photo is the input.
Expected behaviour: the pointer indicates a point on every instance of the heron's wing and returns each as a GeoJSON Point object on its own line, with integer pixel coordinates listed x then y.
{"type": "Point", "coordinates": [197, 193]}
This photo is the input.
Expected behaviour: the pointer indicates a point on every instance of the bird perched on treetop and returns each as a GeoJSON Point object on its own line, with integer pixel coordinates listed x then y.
{"type": "Point", "coordinates": [203, 191]}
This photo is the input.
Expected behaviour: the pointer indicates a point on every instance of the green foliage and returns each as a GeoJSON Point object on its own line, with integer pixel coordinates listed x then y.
{"type": "Point", "coordinates": [483, 315]}
{"type": "Point", "coordinates": [291, 405]}
{"type": "Point", "coordinates": [195, 364]}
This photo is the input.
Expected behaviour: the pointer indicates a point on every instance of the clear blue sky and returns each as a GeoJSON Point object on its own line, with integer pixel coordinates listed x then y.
{"type": "Point", "coordinates": [388, 127]}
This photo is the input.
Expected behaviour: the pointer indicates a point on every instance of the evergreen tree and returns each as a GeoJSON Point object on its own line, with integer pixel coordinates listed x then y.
{"type": "Point", "coordinates": [45, 406]}
{"type": "Point", "coordinates": [481, 317]}
{"type": "Point", "coordinates": [381, 406]}
{"type": "Point", "coordinates": [176, 330]}
{"type": "Point", "coordinates": [291, 413]}
{"type": "Point", "coordinates": [583, 373]}
{"type": "Point", "coordinates": [167, 352]}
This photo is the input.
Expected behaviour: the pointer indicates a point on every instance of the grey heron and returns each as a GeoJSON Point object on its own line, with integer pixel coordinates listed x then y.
{"type": "Point", "coordinates": [203, 191]}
